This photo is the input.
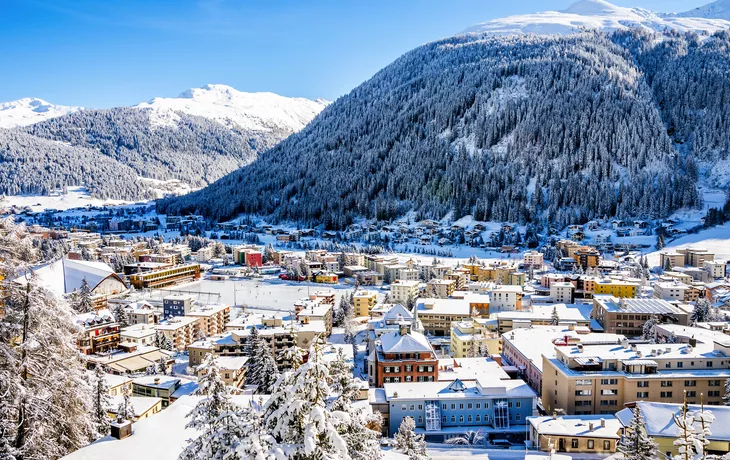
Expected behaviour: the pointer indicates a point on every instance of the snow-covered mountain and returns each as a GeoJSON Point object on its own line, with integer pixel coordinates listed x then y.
{"type": "Point", "coordinates": [261, 112]}
{"type": "Point", "coordinates": [27, 111]}
{"type": "Point", "coordinates": [715, 10]}
{"type": "Point", "coordinates": [600, 14]}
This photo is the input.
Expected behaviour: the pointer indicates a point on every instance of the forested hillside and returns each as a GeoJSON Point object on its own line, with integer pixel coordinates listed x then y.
{"type": "Point", "coordinates": [527, 128]}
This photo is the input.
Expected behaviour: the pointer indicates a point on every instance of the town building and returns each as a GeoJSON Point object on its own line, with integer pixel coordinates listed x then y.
{"type": "Point", "coordinates": [533, 259]}
{"type": "Point", "coordinates": [143, 407]}
{"type": "Point", "coordinates": [473, 338]}
{"type": "Point", "coordinates": [165, 387]}
{"type": "Point", "coordinates": [176, 305]}
{"type": "Point", "coordinates": [575, 434]}
{"type": "Point", "coordinates": [181, 330]}
{"type": "Point", "coordinates": [696, 257]}
{"type": "Point", "coordinates": [506, 298]}
{"type": "Point", "coordinates": [165, 277]}
{"type": "Point", "coordinates": [134, 362]}
{"type": "Point", "coordinates": [715, 269]}
{"type": "Point", "coordinates": [100, 332]}
{"type": "Point", "coordinates": [363, 302]}
{"type": "Point", "coordinates": [402, 356]}
{"type": "Point", "coordinates": [440, 288]}
{"type": "Point", "coordinates": [628, 316]}
{"type": "Point", "coordinates": [138, 334]}
{"type": "Point", "coordinates": [442, 410]}
{"type": "Point", "coordinates": [670, 290]}
{"type": "Point", "coordinates": [562, 292]}
{"type": "Point", "coordinates": [616, 288]}
{"type": "Point", "coordinates": [212, 319]}
{"type": "Point", "coordinates": [601, 378]}
{"type": "Point", "coordinates": [669, 260]}
{"type": "Point", "coordinates": [436, 315]}
{"type": "Point", "coordinates": [403, 291]}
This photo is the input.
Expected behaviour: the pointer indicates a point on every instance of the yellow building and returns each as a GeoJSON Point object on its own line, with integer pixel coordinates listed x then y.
{"type": "Point", "coordinates": [471, 338]}
{"type": "Point", "coordinates": [616, 288]}
{"type": "Point", "coordinates": [364, 301]}
{"type": "Point", "coordinates": [165, 277]}
{"type": "Point", "coordinates": [325, 278]}
{"type": "Point", "coordinates": [659, 425]}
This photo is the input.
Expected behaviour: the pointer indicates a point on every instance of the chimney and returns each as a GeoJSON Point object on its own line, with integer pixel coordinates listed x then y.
{"type": "Point", "coordinates": [590, 426]}
{"type": "Point", "coordinates": [120, 429]}
{"type": "Point", "coordinates": [157, 380]}
{"type": "Point", "coordinates": [555, 415]}
{"type": "Point", "coordinates": [603, 423]}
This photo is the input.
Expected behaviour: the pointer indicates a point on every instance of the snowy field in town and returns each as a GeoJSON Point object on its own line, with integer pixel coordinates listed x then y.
{"type": "Point", "coordinates": [715, 240]}
{"type": "Point", "coordinates": [76, 197]}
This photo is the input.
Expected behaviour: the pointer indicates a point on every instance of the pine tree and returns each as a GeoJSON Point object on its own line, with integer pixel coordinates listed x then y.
{"type": "Point", "coordinates": [45, 406]}
{"type": "Point", "coordinates": [121, 316]}
{"type": "Point", "coordinates": [291, 358]}
{"type": "Point", "coordinates": [84, 302]}
{"type": "Point", "coordinates": [649, 330]}
{"type": "Point", "coordinates": [101, 402]}
{"type": "Point", "coordinates": [408, 442]}
{"type": "Point", "coordinates": [269, 373]}
{"type": "Point", "coordinates": [125, 410]}
{"type": "Point", "coordinates": [636, 445]}
{"type": "Point", "coordinates": [255, 349]}
{"type": "Point", "coordinates": [555, 319]}
{"type": "Point", "coordinates": [701, 312]}
{"type": "Point", "coordinates": [726, 396]}
{"type": "Point", "coordinates": [163, 342]}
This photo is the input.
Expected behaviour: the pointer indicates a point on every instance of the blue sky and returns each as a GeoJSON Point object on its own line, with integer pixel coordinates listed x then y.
{"type": "Point", "coordinates": [105, 53]}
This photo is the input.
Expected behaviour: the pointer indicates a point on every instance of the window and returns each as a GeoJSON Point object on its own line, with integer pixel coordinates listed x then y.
{"type": "Point", "coordinates": [517, 416]}
{"type": "Point", "coordinates": [680, 364]}
{"type": "Point", "coordinates": [461, 418]}
{"type": "Point", "coordinates": [409, 368]}
{"type": "Point", "coordinates": [690, 383]}
{"type": "Point", "coordinates": [420, 407]}
{"type": "Point", "coordinates": [714, 383]}
{"type": "Point", "coordinates": [609, 392]}
{"type": "Point", "coordinates": [713, 393]}
{"type": "Point", "coordinates": [583, 392]}
{"type": "Point", "coordinates": [468, 418]}
{"type": "Point", "coordinates": [584, 382]}
{"type": "Point", "coordinates": [461, 406]}
{"type": "Point", "coordinates": [517, 403]}
{"type": "Point", "coordinates": [709, 363]}
{"type": "Point", "coordinates": [608, 402]}
{"type": "Point", "coordinates": [609, 381]}
{"type": "Point", "coordinates": [591, 443]}
{"type": "Point", "coordinates": [403, 408]}
{"type": "Point", "coordinates": [453, 406]}
{"type": "Point", "coordinates": [479, 418]}
{"type": "Point", "coordinates": [479, 405]}
{"type": "Point", "coordinates": [413, 407]}
{"type": "Point", "coordinates": [691, 394]}
{"type": "Point", "coordinates": [409, 378]}
{"type": "Point", "coordinates": [420, 419]}
{"type": "Point", "coordinates": [453, 419]}
{"type": "Point", "coordinates": [644, 384]}
{"type": "Point", "coordinates": [443, 406]}
{"type": "Point", "coordinates": [666, 394]}
{"type": "Point", "coordinates": [486, 417]}
{"type": "Point", "coordinates": [582, 403]}
{"type": "Point", "coordinates": [468, 406]}
{"type": "Point", "coordinates": [606, 445]}
{"type": "Point", "coordinates": [443, 419]}
{"type": "Point", "coordinates": [666, 383]}
{"type": "Point", "coordinates": [642, 394]}
{"type": "Point", "coordinates": [574, 443]}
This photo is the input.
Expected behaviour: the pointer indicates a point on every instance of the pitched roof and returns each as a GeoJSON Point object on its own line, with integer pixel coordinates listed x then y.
{"type": "Point", "coordinates": [412, 342]}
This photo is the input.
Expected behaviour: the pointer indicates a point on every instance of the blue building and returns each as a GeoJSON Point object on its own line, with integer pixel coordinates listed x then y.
{"type": "Point", "coordinates": [443, 410]}
{"type": "Point", "coordinates": [176, 305]}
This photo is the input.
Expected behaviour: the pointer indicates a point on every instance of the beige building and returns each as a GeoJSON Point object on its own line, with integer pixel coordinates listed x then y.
{"type": "Point", "coordinates": [181, 330]}
{"type": "Point", "coordinates": [534, 258]}
{"type": "Point", "coordinates": [601, 378]}
{"type": "Point", "coordinates": [472, 338]}
{"type": "Point", "coordinates": [401, 291]}
{"type": "Point", "coordinates": [575, 434]}
{"type": "Point", "coordinates": [716, 269]}
{"type": "Point", "coordinates": [212, 319]}
{"type": "Point", "coordinates": [696, 257]}
{"type": "Point", "coordinates": [436, 315]}
{"type": "Point", "coordinates": [671, 259]}
{"type": "Point", "coordinates": [440, 289]}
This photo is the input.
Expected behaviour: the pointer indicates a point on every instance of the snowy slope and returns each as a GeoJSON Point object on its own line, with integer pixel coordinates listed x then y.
{"type": "Point", "coordinates": [261, 112]}
{"type": "Point", "coordinates": [28, 111]}
{"type": "Point", "coordinates": [715, 10]}
{"type": "Point", "coordinates": [599, 14]}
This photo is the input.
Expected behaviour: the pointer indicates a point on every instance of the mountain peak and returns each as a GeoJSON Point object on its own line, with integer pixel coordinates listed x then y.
{"type": "Point", "coordinates": [260, 112]}
{"type": "Point", "coordinates": [30, 110]}
{"type": "Point", "coordinates": [602, 15]}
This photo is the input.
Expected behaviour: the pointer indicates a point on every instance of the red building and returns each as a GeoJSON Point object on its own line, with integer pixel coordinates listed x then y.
{"type": "Point", "coordinates": [402, 356]}
{"type": "Point", "coordinates": [253, 258]}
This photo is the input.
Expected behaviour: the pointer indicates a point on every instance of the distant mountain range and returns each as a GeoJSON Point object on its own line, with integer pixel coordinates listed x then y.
{"type": "Point", "coordinates": [196, 138]}
{"type": "Point", "coordinates": [600, 14]}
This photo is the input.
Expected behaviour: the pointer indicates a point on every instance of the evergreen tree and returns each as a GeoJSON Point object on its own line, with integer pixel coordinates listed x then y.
{"type": "Point", "coordinates": [120, 315]}
{"type": "Point", "coordinates": [726, 396]}
{"type": "Point", "coordinates": [554, 318]}
{"type": "Point", "coordinates": [45, 409]}
{"type": "Point", "coordinates": [636, 445]}
{"type": "Point", "coordinates": [269, 373]}
{"type": "Point", "coordinates": [649, 332]}
{"type": "Point", "coordinates": [686, 443]}
{"type": "Point", "coordinates": [255, 351]}
{"type": "Point", "coordinates": [701, 312]}
{"type": "Point", "coordinates": [125, 410]}
{"type": "Point", "coordinates": [84, 302]}
{"type": "Point", "coordinates": [408, 442]}
{"type": "Point", "coordinates": [163, 342]}
{"type": "Point", "coordinates": [101, 402]}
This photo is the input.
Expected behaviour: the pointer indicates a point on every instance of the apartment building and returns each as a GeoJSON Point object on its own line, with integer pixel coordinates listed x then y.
{"type": "Point", "coordinates": [99, 332]}
{"type": "Point", "coordinates": [472, 338]}
{"type": "Point", "coordinates": [616, 288]}
{"type": "Point", "coordinates": [534, 259]}
{"type": "Point", "coordinates": [436, 315]}
{"type": "Point", "coordinates": [138, 334]}
{"type": "Point", "coordinates": [364, 301]}
{"type": "Point", "coordinates": [696, 257]}
{"type": "Point", "coordinates": [671, 259]}
{"type": "Point", "coordinates": [402, 291]}
{"type": "Point", "coordinates": [587, 257]}
{"type": "Point", "coordinates": [181, 330]}
{"type": "Point", "coordinates": [440, 288]}
{"type": "Point", "coordinates": [715, 269]}
{"type": "Point", "coordinates": [402, 356]}
{"type": "Point", "coordinates": [670, 291]}
{"type": "Point", "coordinates": [628, 316]}
{"type": "Point", "coordinates": [165, 277]}
{"type": "Point", "coordinates": [575, 434]}
{"type": "Point", "coordinates": [212, 319]}
{"type": "Point", "coordinates": [562, 292]}
{"type": "Point", "coordinates": [506, 298]}
{"type": "Point", "coordinates": [600, 379]}
{"type": "Point", "coordinates": [313, 311]}
{"type": "Point", "coordinates": [176, 305]}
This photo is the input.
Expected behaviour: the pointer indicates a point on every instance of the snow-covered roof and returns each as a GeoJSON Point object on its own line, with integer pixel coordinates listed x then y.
{"type": "Point", "coordinates": [398, 312]}
{"type": "Point", "coordinates": [659, 422]}
{"type": "Point", "coordinates": [652, 306]}
{"type": "Point", "coordinates": [147, 434]}
{"type": "Point", "coordinates": [140, 404]}
{"type": "Point", "coordinates": [94, 318]}
{"type": "Point", "coordinates": [412, 342]}
{"type": "Point", "coordinates": [65, 275]}
{"type": "Point", "coordinates": [485, 386]}
{"type": "Point", "coordinates": [577, 426]}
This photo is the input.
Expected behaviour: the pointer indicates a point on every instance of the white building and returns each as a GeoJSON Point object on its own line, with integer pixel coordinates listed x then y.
{"type": "Point", "coordinates": [139, 334]}
{"type": "Point", "coordinates": [401, 291]}
{"type": "Point", "coordinates": [506, 298]}
{"type": "Point", "coordinates": [669, 290]}
{"type": "Point", "coordinates": [715, 268]}
{"type": "Point", "coordinates": [562, 292]}
{"type": "Point", "coordinates": [534, 258]}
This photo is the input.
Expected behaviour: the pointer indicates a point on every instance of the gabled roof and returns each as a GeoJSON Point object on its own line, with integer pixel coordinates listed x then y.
{"type": "Point", "coordinates": [65, 275]}
{"type": "Point", "coordinates": [398, 312]}
{"type": "Point", "coordinates": [412, 342]}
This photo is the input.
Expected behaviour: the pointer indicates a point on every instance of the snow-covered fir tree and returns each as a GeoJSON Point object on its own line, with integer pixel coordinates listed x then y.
{"type": "Point", "coordinates": [45, 406]}
{"type": "Point", "coordinates": [297, 414]}
{"type": "Point", "coordinates": [121, 315]}
{"type": "Point", "coordinates": [686, 442]}
{"type": "Point", "coordinates": [649, 329]}
{"type": "Point", "coordinates": [291, 358]}
{"type": "Point", "coordinates": [83, 302]}
{"type": "Point", "coordinates": [125, 409]}
{"type": "Point", "coordinates": [269, 372]}
{"type": "Point", "coordinates": [554, 318]}
{"type": "Point", "coordinates": [254, 349]}
{"type": "Point", "coordinates": [635, 444]}
{"type": "Point", "coordinates": [163, 342]}
{"type": "Point", "coordinates": [408, 442]}
{"type": "Point", "coordinates": [701, 312]}
{"type": "Point", "coordinates": [101, 402]}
